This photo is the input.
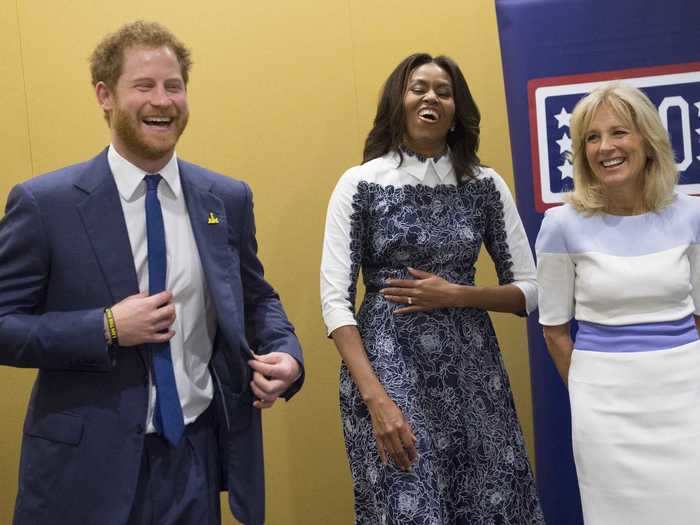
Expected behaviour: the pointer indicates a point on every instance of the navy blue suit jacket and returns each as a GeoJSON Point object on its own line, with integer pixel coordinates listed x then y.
{"type": "Point", "coordinates": [64, 257]}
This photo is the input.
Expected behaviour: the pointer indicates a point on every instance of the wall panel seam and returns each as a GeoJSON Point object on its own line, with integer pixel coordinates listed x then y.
{"type": "Point", "coordinates": [354, 71]}
{"type": "Point", "coordinates": [24, 86]}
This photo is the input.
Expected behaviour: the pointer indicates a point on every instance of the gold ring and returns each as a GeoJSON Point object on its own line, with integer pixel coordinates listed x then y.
{"type": "Point", "coordinates": [410, 300]}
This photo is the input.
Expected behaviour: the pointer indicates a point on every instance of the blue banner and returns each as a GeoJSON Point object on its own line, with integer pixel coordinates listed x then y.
{"type": "Point", "coordinates": [554, 52]}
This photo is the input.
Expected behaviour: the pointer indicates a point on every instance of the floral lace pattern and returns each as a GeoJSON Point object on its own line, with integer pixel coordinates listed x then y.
{"type": "Point", "coordinates": [443, 368]}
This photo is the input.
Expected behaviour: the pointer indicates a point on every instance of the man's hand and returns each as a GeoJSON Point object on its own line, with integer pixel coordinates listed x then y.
{"type": "Point", "coordinates": [273, 374]}
{"type": "Point", "coordinates": [142, 318]}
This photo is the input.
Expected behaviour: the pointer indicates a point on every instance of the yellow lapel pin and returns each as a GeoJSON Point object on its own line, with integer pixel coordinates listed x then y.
{"type": "Point", "coordinates": [213, 219]}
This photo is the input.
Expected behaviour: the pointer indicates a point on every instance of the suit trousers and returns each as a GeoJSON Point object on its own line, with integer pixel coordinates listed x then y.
{"type": "Point", "coordinates": [180, 485]}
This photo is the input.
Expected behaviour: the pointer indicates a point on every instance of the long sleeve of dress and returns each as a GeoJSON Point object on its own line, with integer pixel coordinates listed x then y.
{"type": "Point", "coordinates": [342, 254]}
{"type": "Point", "coordinates": [507, 243]}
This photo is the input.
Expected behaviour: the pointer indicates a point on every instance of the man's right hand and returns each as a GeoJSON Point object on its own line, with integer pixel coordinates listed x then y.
{"type": "Point", "coordinates": [144, 318]}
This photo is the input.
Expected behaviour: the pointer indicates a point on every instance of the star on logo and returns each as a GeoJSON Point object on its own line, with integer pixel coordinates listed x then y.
{"type": "Point", "coordinates": [567, 170]}
{"type": "Point", "coordinates": [564, 143]}
{"type": "Point", "coordinates": [563, 118]}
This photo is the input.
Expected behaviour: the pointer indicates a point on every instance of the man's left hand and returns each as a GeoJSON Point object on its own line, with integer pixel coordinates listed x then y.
{"type": "Point", "coordinates": [273, 374]}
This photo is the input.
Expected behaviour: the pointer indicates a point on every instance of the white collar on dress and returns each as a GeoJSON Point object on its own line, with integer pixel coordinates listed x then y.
{"type": "Point", "coordinates": [418, 166]}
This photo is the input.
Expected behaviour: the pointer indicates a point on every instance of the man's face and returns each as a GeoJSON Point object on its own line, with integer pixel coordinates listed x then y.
{"type": "Point", "coordinates": [148, 106]}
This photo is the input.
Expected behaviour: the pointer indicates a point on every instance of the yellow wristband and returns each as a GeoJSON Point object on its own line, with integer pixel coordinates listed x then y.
{"type": "Point", "coordinates": [111, 327]}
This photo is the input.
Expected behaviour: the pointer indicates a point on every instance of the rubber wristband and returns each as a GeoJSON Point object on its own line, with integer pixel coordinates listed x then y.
{"type": "Point", "coordinates": [111, 327]}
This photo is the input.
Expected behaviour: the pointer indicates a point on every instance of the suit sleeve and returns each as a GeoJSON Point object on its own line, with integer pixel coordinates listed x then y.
{"type": "Point", "coordinates": [31, 337]}
{"type": "Point", "coordinates": [267, 327]}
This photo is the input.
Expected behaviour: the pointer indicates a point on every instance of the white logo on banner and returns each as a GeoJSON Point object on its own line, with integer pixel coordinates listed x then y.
{"type": "Point", "coordinates": [676, 95]}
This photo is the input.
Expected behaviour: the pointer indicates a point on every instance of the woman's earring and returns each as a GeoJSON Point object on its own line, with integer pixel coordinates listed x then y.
{"type": "Point", "coordinates": [452, 127]}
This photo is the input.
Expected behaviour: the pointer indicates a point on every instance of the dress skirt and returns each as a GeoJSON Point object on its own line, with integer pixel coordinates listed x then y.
{"type": "Point", "coordinates": [636, 435]}
{"type": "Point", "coordinates": [441, 367]}
{"type": "Point", "coordinates": [444, 370]}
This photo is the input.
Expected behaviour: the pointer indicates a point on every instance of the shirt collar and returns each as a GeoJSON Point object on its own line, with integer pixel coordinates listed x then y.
{"type": "Point", "coordinates": [129, 178]}
{"type": "Point", "coordinates": [419, 167]}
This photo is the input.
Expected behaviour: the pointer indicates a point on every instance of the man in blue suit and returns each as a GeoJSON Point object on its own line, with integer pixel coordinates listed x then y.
{"type": "Point", "coordinates": [131, 282]}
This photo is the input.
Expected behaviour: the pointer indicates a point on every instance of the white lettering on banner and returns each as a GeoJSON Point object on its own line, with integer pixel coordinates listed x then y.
{"type": "Point", "coordinates": [680, 103]}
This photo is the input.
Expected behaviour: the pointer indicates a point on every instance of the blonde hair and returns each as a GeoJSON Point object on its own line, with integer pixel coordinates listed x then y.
{"type": "Point", "coordinates": [635, 110]}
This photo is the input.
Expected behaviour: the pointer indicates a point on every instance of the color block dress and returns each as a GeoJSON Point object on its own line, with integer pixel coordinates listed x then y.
{"type": "Point", "coordinates": [443, 368]}
{"type": "Point", "coordinates": [633, 285]}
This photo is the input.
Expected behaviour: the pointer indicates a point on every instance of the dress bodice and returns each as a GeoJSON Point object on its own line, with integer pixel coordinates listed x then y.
{"type": "Point", "coordinates": [620, 270]}
{"type": "Point", "coordinates": [391, 213]}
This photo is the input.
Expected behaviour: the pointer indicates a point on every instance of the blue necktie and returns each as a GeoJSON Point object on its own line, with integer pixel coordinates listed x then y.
{"type": "Point", "coordinates": [167, 416]}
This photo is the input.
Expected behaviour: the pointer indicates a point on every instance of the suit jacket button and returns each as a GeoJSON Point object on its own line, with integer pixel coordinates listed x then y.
{"type": "Point", "coordinates": [139, 428]}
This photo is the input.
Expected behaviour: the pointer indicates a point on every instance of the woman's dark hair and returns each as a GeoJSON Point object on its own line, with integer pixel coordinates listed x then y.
{"type": "Point", "coordinates": [390, 122]}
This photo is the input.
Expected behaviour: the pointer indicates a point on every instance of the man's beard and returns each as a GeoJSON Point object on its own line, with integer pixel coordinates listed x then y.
{"type": "Point", "coordinates": [133, 138]}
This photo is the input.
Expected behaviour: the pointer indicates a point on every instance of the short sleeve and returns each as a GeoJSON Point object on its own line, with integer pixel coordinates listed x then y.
{"type": "Point", "coordinates": [694, 258]}
{"type": "Point", "coordinates": [555, 272]}
{"type": "Point", "coordinates": [342, 254]}
{"type": "Point", "coordinates": [507, 243]}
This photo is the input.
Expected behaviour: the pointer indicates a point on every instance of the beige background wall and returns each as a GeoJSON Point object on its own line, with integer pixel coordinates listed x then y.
{"type": "Point", "coordinates": [282, 95]}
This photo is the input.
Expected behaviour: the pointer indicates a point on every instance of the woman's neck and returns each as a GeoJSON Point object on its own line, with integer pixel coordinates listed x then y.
{"type": "Point", "coordinates": [625, 204]}
{"type": "Point", "coordinates": [425, 149]}
{"type": "Point", "coordinates": [627, 199]}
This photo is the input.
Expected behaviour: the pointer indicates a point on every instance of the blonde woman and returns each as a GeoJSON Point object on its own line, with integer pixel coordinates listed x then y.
{"type": "Point", "coordinates": [623, 259]}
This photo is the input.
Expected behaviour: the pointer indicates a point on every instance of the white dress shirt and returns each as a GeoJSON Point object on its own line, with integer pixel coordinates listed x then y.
{"type": "Point", "coordinates": [195, 322]}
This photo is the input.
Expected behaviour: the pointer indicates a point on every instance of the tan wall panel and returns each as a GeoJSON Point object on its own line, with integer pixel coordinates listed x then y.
{"type": "Point", "coordinates": [14, 133]}
{"type": "Point", "coordinates": [281, 95]}
{"type": "Point", "coordinates": [284, 105]}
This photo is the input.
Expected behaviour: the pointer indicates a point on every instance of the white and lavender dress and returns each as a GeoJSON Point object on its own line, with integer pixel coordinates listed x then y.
{"type": "Point", "coordinates": [443, 368]}
{"type": "Point", "coordinates": [633, 285]}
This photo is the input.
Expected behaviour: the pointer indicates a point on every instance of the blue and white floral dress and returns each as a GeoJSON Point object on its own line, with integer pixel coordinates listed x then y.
{"type": "Point", "coordinates": [443, 368]}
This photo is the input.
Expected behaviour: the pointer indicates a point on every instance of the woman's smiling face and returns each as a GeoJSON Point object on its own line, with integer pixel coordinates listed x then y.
{"type": "Point", "coordinates": [615, 151]}
{"type": "Point", "coordinates": [429, 109]}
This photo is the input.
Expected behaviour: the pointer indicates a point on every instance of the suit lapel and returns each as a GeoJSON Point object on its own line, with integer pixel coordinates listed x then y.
{"type": "Point", "coordinates": [215, 254]}
{"type": "Point", "coordinates": [103, 218]}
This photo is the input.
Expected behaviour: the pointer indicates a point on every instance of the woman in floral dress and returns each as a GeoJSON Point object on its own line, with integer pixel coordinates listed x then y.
{"type": "Point", "coordinates": [430, 427]}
